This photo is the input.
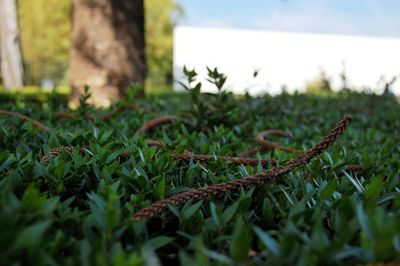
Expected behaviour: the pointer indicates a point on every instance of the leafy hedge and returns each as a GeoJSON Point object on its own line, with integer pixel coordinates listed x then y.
{"type": "Point", "coordinates": [34, 95]}
{"type": "Point", "coordinates": [77, 208]}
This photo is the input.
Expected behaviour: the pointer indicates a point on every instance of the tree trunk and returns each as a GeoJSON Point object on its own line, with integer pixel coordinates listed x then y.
{"type": "Point", "coordinates": [108, 48]}
{"type": "Point", "coordinates": [10, 53]}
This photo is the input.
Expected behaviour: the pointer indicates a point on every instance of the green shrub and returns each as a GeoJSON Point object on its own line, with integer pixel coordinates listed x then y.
{"type": "Point", "coordinates": [77, 208]}
{"type": "Point", "coordinates": [33, 94]}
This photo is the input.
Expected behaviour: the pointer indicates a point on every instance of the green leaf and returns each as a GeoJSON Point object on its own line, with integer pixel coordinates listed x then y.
{"type": "Point", "coordinates": [190, 211]}
{"type": "Point", "coordinates": [215, 215]}
{"type": "Point", "coordinates": [329, 189]}
{"type": "Point", "coordinates": [243, 171]}
{"type": "Point", "coordinates": [105, 135]}
{"type": "Point", "coordinates": [373, 190]}
{"type": "Point", "coordinates": [32, 235]}
{"type": "Point", "coordinates": [159, 189]}
{"type": "Point", "coordinates": [61, 170]}
{"type": "Point", "coordinates": [364, 222]}
{"type": "Point", "coordinates": [85, 250]}
{"type": "Point", "coordinates": [6, 159]}
{"type": "Point", "coordinates": [355, 182]}
{"type": "Point", "coordinates": [268, 241]}
{"type": "Point", "coordinates": [159, 241]}
{"type": "Point", "coordinates": [230, 212]}
{"type": "Point", "coordinates": [174, 210]}
{"type": "Point", "coordinates": [141, 156]}
{"type": "Point", "coordinates": [241, 241]}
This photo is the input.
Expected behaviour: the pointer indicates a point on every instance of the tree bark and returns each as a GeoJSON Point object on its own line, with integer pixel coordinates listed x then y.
{"type": "Point", "coordinates": [108, 48]}
{"type": "Point", "coordinates": [10, 52]}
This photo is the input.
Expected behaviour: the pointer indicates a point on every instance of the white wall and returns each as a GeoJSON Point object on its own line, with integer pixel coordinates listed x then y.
{"type": "Point", "coordinates": [292, 59]}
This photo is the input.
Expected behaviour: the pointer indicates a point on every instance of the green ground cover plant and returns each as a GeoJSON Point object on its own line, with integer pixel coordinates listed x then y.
{"type": "Point", "coordinates": [76, 207]}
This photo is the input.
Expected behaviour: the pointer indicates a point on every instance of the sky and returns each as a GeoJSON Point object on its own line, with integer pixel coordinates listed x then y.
{"type": "Point", "coordinates": [378, 18]}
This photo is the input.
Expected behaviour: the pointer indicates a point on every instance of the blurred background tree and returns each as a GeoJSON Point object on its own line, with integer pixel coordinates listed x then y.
{"type": "Point", "coordinates": [45, 27]}
{"type": "Point", "coordinates": [161, 18]}
{"type": "Point", "coordinates": [320, 85]}
{"type": "Point", "coordinates": [11, 67]}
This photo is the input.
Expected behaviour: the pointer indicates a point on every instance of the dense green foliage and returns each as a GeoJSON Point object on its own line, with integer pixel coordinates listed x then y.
{"type": "Point", "coordinates": [76, 210]}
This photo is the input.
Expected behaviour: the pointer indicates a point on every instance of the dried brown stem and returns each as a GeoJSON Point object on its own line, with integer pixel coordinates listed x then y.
{"type": "Point", "coordinates": [153, 142]}
{"type": "Point", "coordinates": [270, 175]}
{"type": "Point", "coordinates": [118, 110]}
{"type": "Point", "coordinates": [355, 168]}
{"type": "Point", "coordinates": [66, 115]}
{"type": "Point", "coordinates": [186, 157]}
{"type": "Point", "coordinates": [260, 139]}
{"type": "Point", "coordinates": [35, 123]}
{"type": "Point", "coordinates": [155, 122]}
{"type": "Point", "coordinates": [252, 152]}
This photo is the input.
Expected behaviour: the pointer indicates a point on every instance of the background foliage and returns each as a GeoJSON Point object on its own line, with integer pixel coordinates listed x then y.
{"type": "Point", "coordinates": [161, 17]}
{"type": "Point", "coordinates": [45, 38]}
{"type": "Point", "coordinates": [45, 30]}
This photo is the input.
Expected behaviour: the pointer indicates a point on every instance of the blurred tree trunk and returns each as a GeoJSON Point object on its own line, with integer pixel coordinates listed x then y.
{"type": "Point", "coordinates": [108, 48]}
{"type": "Point", "coordinates": [10, 53]}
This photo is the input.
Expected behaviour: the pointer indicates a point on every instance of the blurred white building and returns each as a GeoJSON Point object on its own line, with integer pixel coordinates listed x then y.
{"type": "Point", "coordinates": [285, 59]}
